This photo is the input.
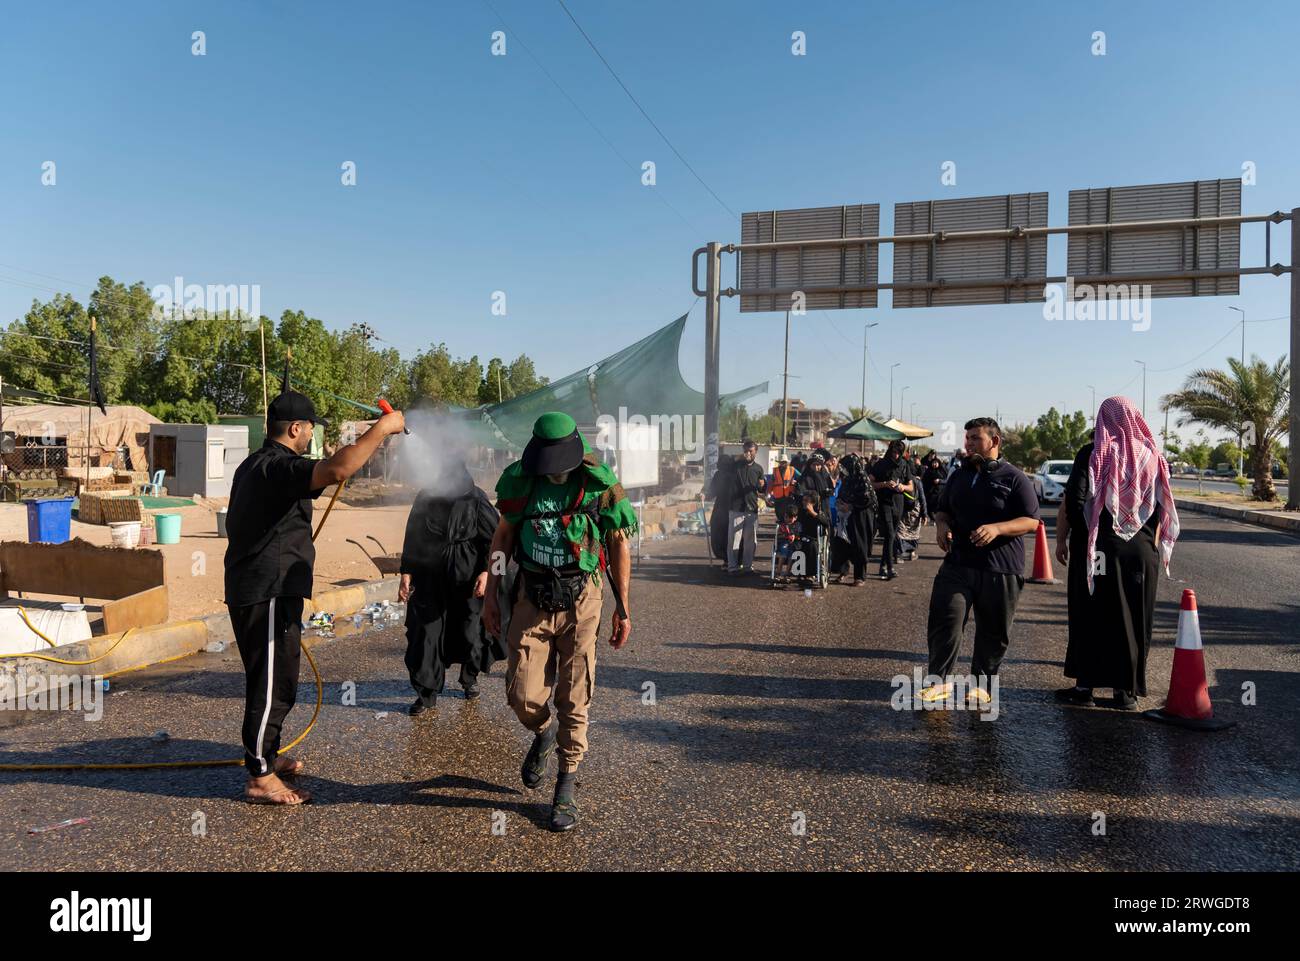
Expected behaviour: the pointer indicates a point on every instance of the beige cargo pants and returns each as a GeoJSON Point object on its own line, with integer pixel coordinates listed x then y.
{"type": "Point", "coordinates": [555, 654]}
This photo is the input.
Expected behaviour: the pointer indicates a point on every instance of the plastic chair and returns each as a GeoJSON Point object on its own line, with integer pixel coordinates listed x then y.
{"type": "Point", "coordinates": [154, 487]}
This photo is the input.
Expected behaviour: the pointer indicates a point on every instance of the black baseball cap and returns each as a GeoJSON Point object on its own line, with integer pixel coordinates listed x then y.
{"type": "Point", "coordinates": [291, 405]}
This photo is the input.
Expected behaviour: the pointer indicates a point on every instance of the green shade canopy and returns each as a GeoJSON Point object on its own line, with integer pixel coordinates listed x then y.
{"type": "Point", "coordinates": [644, 378]}
{"type": "Point", "coordinates": [866, 429]}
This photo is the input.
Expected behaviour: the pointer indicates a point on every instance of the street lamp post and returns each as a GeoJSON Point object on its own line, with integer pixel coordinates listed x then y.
{"type": "Point", "coordinates": [1144, 387]}
{"type": "Point", "coordinates": [785, 392]}
{"type": "Point", "coordinates": [891, 389]}
{"type": "Point", "coordinates": [901, 394]}
{"type": "Point", "coordinates": [1094, 402]}
{"type": "Point", "coordinates": [865, 328]}
{"type": "Point", "coordinates": [1241, 454]}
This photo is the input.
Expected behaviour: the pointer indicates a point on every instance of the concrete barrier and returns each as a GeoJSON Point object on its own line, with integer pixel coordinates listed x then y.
{"type": "Point", "coordinates": [1278, 520]}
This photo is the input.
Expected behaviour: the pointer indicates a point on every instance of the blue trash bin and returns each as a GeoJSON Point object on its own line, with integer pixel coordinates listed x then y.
{"type": "Point", "coordinates": [49, 520]}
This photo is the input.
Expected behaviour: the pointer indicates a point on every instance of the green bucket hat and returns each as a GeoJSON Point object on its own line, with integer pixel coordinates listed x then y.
{"type": "Point", "coordinates": [556, 446]}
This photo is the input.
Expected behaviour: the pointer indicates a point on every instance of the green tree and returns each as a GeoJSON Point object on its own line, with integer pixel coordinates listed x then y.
{"type": "Point", "coordinates": [1225, 452]}
{"type": "Point", "coordinates": [1198, 453]}
{"type": "Point", "coordinates": [184, 412]}
{"type": "Point", "coordinates": [763, 428]}
{"type": "Point", "coordinates": [1052, 437]}
{"type": "Point", "coordinates": [1251, 399]}
{"type": "Point", "coordinates": [502, 381]}
{"type": "Point", "coordinates": [733, 423]}
{"type": "Point", "coordinates": [34, 356]}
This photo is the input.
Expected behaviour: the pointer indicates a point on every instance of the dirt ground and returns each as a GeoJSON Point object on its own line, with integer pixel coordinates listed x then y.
{"type": "Point", "coordinates": [195, 565]}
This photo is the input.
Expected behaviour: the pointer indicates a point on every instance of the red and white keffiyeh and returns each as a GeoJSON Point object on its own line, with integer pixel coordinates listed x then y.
{"type": "Point", "coordinates": [1128, 476]}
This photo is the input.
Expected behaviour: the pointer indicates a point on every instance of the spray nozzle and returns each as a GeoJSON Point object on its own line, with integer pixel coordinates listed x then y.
{"type": "Point", "coordinates": [387, 408]}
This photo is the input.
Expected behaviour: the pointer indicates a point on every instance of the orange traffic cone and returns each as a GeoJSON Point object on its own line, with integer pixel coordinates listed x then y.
{"type": "Point", "coordinates": [1188, 704]}
{"type": "Point", "coordinates": [1042, 559]}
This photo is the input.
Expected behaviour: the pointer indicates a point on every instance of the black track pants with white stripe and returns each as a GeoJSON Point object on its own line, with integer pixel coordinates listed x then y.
{"type": "Point", "coordinates": [269, 636]}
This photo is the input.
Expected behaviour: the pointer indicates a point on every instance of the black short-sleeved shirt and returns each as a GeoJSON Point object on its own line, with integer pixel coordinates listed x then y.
{"type": "Point", "coordinates": [974, 498]}
{"type": "Point", "coordinates": [268, 526]}
{"type": "Point", "coordinates": [887, 470]}
{"type": "Point", "coordinates": [749, 479]}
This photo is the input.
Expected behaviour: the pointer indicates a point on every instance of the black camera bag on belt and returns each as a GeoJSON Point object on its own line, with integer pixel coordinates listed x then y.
{"type": "Point", "coordinates": [553, 590]}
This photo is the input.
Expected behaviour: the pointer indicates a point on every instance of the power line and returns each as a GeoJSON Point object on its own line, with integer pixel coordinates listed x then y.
{"type": "Point", "coordinates": [661, 134]}
{"type": "Point", "coordinates": [591, 123]}
{"type": "Point", "coordinates": [1162, 370]}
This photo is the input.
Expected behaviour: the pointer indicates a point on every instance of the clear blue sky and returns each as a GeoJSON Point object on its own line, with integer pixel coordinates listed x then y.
{"type": "Point", "coordinates": [475, 174]}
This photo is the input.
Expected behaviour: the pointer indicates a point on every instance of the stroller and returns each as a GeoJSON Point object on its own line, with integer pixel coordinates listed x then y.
{"type": "Point", "coordinates": [801, 546]}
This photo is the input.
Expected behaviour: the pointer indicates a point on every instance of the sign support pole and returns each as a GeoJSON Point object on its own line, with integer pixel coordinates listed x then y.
{"type": "Point", "coordinates": [712, 345]}
{"type": "Point", "coordinates": [1293, 494]}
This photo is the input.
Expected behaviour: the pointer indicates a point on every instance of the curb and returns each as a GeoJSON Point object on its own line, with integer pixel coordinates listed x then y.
{"type": "Point", "coordinates": [151, 645]}
{"type": "Point", "coordinates": [1277, 520]}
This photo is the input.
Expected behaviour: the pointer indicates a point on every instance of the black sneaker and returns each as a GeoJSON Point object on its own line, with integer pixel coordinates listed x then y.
{"type": "Point", "coordinates": [892, 574]}
{"type": "Point", "coordinates": [1078, 696]}
{"type": "Point", "coordinates": [534, 768]}
{"type": "Point", "coordinates": [421, 705]}
{"type": "Point", "coordinates": [471, 690]}
{"type": "Point", "coordinates": [1124, 701]}
{"type": "Point", "coordinates": [564, 809]}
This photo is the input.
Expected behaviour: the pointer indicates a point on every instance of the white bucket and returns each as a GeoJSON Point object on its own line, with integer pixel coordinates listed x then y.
{"type": "Point", "coordinates": [125, 533]}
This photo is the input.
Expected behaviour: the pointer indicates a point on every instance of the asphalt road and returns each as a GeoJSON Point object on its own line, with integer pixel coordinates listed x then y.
{"type": "Point", "coordinates": [771, 710]}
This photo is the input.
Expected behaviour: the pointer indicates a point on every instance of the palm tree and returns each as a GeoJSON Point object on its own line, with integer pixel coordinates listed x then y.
{"type": "Point", "coordinates": [857, 413]}
{"type": "Point", "coordinates": [1253, 399]}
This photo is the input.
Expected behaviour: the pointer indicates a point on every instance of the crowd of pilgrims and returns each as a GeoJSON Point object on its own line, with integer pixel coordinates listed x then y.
{"type": "Point", "coordinates": [868, 505]}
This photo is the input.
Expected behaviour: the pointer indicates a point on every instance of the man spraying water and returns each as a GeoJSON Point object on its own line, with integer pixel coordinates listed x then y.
{"type": "Point", "coordinates": [269, 561]}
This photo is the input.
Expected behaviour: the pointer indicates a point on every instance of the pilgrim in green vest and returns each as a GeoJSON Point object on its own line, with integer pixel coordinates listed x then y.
{"type": "Point", "coordinates": [565, 521]}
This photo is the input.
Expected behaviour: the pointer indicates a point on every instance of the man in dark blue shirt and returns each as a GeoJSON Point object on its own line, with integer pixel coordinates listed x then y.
{"type": "Point", "coordinates": [986, 508]}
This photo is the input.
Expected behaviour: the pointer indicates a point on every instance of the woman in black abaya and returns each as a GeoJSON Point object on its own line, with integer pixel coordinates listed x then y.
{"type": "Point", "coordinates": [444, 575]}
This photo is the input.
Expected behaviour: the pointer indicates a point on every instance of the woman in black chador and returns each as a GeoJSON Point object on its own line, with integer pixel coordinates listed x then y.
{"type": "Point", "coordinates": [444, 574]}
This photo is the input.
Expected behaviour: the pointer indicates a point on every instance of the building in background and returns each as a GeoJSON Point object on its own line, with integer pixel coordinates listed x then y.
{"type": "Point", "coordinates": [806, 424]}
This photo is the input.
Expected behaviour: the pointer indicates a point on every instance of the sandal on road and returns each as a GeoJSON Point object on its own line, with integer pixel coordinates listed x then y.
{"type": "Point", "coordinates": [285, 797]}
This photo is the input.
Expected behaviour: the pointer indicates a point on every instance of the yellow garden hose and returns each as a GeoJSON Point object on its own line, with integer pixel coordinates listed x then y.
{"type": "Point", "coordinates": [28, 621]}
{"type": "Point", "coordinates": [338, 489]}
{"type": "Point", "coordinates": [320, 695]}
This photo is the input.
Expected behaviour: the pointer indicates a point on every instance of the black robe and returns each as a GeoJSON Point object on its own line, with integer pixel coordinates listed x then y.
{"type": "Point", "coordinates": [1110, 629]}
{"type": "Point", "coordinates": [447, 543]}
{"type": "Point", "coordinates": [722, 489]}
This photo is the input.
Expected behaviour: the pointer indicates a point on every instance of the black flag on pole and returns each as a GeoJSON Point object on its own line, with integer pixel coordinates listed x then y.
{"type": "Point", "coordinates": [284, 382]}
{"type": "Point", "coordinates": [96, 389]}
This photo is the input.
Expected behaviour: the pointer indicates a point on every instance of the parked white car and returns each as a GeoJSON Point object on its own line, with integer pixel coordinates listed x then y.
{"type": "Point", "coordinates": [1050, 480]}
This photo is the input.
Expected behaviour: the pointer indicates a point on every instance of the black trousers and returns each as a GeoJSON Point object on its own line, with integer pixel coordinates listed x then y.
{"type": "Point", "coordinates": [957, 592]}
{"type": "Point", "coordinates": [888, 529]}
{"type": "Point", "coordinates": [269, 636]}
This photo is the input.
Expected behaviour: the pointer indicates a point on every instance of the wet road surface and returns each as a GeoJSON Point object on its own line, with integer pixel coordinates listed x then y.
{"type": "Point", "coordinates": [770, 712]}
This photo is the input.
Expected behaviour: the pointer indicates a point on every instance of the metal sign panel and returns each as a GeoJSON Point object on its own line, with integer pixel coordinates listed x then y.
{"type": "Point", "coordinates": [799, 269]}
{"type": "Point", "coordinates": [1167, 250]}
{"type": "Point", "coordinates": [1021, 262]}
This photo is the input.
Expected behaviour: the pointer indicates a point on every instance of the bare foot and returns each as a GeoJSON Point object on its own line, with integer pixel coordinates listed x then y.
{"type": "Point", "coordinates": [288, 766]}
{"type": "Point", "coordinates": [271, 790]}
